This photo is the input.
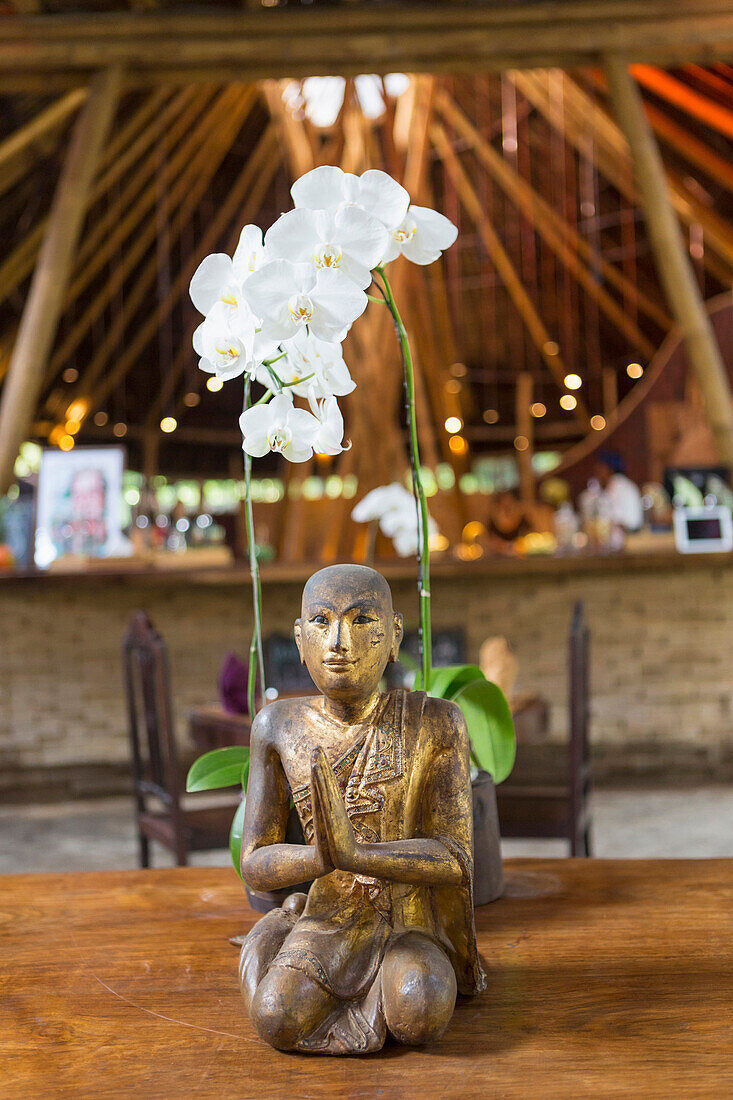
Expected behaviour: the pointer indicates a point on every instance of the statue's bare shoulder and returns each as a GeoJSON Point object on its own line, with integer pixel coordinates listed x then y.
{"type": "Point", "coordinates": [447, 723]}
{"type": "Point", "coordinates": [275, 722]}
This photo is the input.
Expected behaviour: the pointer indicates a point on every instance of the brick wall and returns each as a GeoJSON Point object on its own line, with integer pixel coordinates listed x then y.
{"type": "Point", "coordinates": [662, 676]}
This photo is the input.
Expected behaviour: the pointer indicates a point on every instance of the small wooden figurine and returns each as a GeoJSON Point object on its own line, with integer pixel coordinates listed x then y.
{"type": "Point", "coordinates": [385, 937]}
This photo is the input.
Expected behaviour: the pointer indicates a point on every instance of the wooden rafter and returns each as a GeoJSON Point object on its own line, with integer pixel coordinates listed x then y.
{"type": "Point", "coordinates": [200, 170]}
{"type": "Point", "coordinates": [19, 263]}
{"type": "Point", "coordinates": [565, 241]}
{"type": "Point", "coordinates": [248, 194]}
{"type": "Point", "coordinates": [541, 338]}
{"type": "Point", "coordinates": [124, 216]}
{"type": "Point", "coordinates": [20, 151]}
{"type": "Point", "coordinates": [611, 152]}
{"type": "Point", "coordinates": [199, 164]}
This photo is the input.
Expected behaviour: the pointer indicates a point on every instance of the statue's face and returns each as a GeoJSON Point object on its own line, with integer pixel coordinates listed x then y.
{"type": "Point", "coordinates": [347, 633]}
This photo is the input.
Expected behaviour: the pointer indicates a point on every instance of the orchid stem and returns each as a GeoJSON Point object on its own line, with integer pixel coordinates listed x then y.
{"type": "Point", "coordinates": [256, 654]}
{"type": "Point", "coordinates": [423, 583]}
{"type": "Point", "coordinates": [269, 362]}
{"type": "Point", "coordinates": [379, 301]}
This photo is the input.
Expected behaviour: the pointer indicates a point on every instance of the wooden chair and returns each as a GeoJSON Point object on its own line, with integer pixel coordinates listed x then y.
{"type": "Point", "coordinates": [559, 809]}
{"type": "Point", "coordinates": [157, 775]}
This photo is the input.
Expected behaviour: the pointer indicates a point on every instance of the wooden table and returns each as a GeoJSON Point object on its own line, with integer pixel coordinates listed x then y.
{"type": "Point", "coordinates": [606, 978]}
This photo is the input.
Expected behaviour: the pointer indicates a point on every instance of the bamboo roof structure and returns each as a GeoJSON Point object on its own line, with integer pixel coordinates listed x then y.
{"type": "Point", "coordinates": [504, 125]}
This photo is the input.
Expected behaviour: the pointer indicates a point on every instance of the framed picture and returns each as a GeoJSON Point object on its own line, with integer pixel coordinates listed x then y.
{"type": "Point", "coordinates": [79, 504]}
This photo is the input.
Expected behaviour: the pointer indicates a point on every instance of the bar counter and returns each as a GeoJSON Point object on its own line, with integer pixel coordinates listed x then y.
{"type": "Point", "coordinates": [661, 635]}
{"type": "Point", "coordinates": [285, 572]}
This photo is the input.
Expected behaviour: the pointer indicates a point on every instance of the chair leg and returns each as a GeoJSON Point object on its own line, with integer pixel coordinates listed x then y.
{"type": "Point", "coordinates": [144, 850]}
{"type": "Point", "coordinates": [580, 842]}
{"type": "Point", "coordinates": [181, 854]}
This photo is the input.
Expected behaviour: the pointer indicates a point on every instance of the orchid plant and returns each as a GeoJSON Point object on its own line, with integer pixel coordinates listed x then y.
{"type": "Point", "coordinates": [277, 313]}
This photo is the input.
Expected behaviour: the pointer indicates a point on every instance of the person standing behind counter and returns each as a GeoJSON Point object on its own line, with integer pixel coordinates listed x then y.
{"type": "Point", "coordinates": [619, 493]}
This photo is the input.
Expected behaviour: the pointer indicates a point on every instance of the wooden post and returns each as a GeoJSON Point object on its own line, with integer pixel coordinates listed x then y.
{"type": "Point", "coordinates": [609, 383]}
{"type": "Point", "coordinates": [48, 287]}
{"type": "Point", "coordinates": [673, 264]}
{"type": "Point", "coordinates": [523, 417]}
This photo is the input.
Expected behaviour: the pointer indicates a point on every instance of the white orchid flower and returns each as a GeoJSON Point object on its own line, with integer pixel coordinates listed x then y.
{"type": "Point", "coordinates": [394, 506]}
{"type": "Point", "coordinates": [347, 239]}
{"type": "Point", "coordinates": [250, 253]}
{"type": "Point", "coordinates": [279, 426]}
{"type": "Point", "coordinates": [421, 236]}
{"type": "Point", "coordinates": [329, 187]}
{"type": "Point", "coordinates": [386, 498]}
{"type": "Point", "coordinates": [330, 437]}
{"type": "Point", "coordinates": [219, 278]}
{"type": "Point", "coordinates": [226, 341]}
{"type": "Point", "coordinates": [319, 363]}
{"type": "Point", "coordinates": [289, 297]}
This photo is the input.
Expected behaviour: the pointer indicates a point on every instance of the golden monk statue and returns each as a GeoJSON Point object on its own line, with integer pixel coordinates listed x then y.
{"type": "Point", "coordinates": [385, 936]}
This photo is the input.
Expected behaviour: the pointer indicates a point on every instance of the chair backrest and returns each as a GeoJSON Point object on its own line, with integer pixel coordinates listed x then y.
{"type": "Point", "coordinates": [579, 696]}
{"type": "Point", "coordinates": [148, 693]}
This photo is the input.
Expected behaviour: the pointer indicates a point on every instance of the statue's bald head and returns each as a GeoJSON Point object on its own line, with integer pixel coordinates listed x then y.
{"type": "Point", "coordinates": [354, 581]}
{"type": "Point", "coordinates": [348, 629]}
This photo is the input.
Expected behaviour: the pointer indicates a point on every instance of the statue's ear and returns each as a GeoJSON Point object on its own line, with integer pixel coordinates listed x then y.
{"type": "Point", "coordinates": [298, 639]}
{"type": "Point", "coordinates": [397, 633]}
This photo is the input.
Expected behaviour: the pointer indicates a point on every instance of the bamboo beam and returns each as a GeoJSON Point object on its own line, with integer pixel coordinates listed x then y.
{"type": "Point", "coordinates": [22, 149]}
{"type": "Point", "coordinates": [675, 270]}
{"type": "Point", "coordinates": [45, 299]}
{"type": "Point", "coordinates": [499, 258]}
{"type": "Point", "coordinates": [445, 36]}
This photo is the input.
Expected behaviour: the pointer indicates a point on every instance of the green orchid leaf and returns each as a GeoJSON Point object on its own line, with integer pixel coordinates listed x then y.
{"type": "Point", "coordinates": [219, 768]}
{"type": "Point", "coordinates": [490, 727]}
{"type": "Point", "coordinates": [445, 683]}
{"type": "Point", "coordinates": [235, 837]}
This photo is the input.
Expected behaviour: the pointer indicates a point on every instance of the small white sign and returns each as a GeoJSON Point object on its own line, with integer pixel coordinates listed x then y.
{"type": "Point", "coordinates": [703, 530]}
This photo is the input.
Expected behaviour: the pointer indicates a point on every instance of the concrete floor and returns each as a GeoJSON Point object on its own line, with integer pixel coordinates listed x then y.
{"type": "Point", "coordinates": [100, 835]}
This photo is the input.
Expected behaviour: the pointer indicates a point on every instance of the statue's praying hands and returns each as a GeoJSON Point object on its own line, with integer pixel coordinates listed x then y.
{"type": "Point", "coordinates": [385, 936]}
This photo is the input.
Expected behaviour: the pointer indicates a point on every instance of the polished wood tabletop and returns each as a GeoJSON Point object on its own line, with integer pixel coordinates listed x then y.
{"type": "Point", "coordinates": [606, 978]}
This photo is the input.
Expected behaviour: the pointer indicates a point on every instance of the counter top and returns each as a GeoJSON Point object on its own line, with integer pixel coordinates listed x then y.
{"type": "Point", "coordinates": [297, 573]}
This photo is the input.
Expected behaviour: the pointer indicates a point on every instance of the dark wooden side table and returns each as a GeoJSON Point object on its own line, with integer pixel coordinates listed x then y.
{"type": "Point", "coordinates": [606, 978]}
{"type": "Point", "coordinates": [212, 727]}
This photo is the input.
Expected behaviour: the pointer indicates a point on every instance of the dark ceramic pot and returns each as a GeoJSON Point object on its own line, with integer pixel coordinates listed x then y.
{"type": "Point", "coordinates": [488, 874]}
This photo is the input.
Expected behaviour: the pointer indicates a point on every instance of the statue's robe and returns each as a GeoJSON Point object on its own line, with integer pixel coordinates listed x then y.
{"type": "Point", "coordinates": [401, 779]}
